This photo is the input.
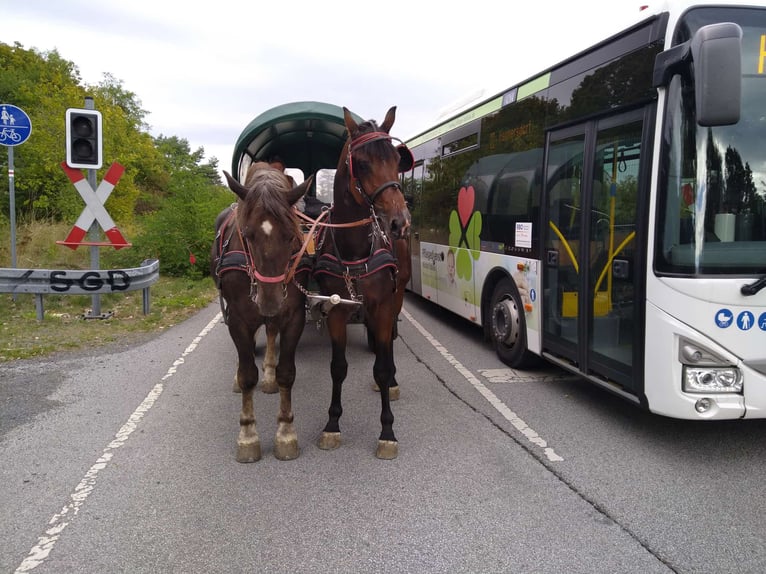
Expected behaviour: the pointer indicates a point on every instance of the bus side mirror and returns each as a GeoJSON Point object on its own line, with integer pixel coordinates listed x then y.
{"type": "Point", "coordinates": [716, 51]}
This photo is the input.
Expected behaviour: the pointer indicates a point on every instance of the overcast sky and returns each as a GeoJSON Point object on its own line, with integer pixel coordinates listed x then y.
{"type": "Point", "coordinates": [204, 70]}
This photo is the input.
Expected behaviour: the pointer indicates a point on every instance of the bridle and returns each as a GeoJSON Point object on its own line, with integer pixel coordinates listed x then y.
{"type": "Point", "coordinates": [355, 184]}
{"type": "Point", "coordinates": [256, 276]}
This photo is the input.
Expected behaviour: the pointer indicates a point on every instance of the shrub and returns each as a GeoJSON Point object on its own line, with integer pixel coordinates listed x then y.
{"type": "Point", "coordinates": [182, 231]}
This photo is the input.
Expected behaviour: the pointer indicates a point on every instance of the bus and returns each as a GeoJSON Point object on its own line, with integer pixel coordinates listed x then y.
{"type": "Point", "coordinates": [608, 215]}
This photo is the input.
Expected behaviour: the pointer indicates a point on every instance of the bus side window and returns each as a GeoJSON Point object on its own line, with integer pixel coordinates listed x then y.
{"type": "Point", "coordinates": [563, 210]}
{"type": "Point", "coordinates": [511, 197]}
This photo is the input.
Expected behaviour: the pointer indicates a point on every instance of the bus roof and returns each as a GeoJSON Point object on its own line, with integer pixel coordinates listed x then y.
{"type": "Point", "coordinates": [306, 135]}
{"type": "Point", "coordinates": [487, 100]}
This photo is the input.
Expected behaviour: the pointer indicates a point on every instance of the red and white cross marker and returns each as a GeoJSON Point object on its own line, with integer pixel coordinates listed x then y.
{"type": "Point", "coordinates": [94, 206]}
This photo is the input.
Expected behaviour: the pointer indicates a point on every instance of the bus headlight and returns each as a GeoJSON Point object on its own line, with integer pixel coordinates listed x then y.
{"type": "Point", "coordinates": [712, 379]}
{"type": "Point", "coordinates": [705, 371]}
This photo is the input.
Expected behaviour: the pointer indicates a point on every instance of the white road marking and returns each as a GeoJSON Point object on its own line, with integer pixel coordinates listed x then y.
{"type": "Point", "coordinates": [61, 520]}
{"type": "Point", "coordinates": [507, 413]}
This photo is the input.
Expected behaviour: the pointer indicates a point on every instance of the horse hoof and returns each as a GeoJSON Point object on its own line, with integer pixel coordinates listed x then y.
{"type": "Point", "coordinates": [329, 440]}
{"type": "Point", "coordinates": [249, 451]}
{"type": "Point", "coordinates": [393, 392]}
{"type": "Point", "coordinates": [287, 450]}
{"type": "Point", "coordinates": [387, 449]}
{"type": "Point", "coordinates": [286, 442]}
{"type": "Point", "coordinates": [269, 387]}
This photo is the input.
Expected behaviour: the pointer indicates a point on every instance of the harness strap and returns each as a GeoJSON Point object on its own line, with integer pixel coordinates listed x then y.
{"type": "Point", "coordinates": [371, 199]}
{"type": "Point", "coordinates": [357, 223]}
{"type": "Point", "coordinates": [231, 260]}
{"type": "Point", "coordinates": [299, 256]}
{"type": "Point", "coordinates": [328, 264]}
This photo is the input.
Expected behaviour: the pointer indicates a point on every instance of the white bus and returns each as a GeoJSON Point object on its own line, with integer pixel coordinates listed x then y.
{"type": "Point", "coordinates": [609, 213]}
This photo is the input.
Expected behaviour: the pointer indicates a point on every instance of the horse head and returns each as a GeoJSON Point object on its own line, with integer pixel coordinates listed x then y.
{"type": "Point", "coordinates": [371, 165]}
{"type": "Point", "coordinates": [269, 230]}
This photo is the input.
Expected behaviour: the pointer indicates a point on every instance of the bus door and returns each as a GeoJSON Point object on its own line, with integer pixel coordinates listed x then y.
{"type": "Point", "coordinates": [592, 280]}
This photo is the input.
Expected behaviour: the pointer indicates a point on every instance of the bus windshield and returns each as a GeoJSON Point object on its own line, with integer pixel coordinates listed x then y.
{"type": "Point", "coordinates": [712, 201]}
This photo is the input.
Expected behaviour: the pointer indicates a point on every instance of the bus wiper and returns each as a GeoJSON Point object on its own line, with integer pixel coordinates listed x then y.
{"type": "Point", "coordinates": [753, 288]}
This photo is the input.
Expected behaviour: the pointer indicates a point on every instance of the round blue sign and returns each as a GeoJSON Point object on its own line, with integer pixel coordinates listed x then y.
{"type": "Point", "coordinates": [15, 125]}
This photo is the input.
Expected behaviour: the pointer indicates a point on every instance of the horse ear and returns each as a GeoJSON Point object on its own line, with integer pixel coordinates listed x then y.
{"type": "Point", "coordinates": [389, 121]}
{"type": "Point", "coordinates": [235, 186]}
{"type": "Point", "coordinates": [406, 160]}
{"type": "Point", "coordinates": [351, 125]}
{"type": "Point", "coordinates": [297, 192]}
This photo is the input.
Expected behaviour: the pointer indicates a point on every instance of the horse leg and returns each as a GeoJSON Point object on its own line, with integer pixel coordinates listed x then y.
{"type": "Point", "coordinates": [393, 390]}
{"type": "Point", "coordinates": [235, 388]}
{"type": "Point", "coordinates": [336, 323]}
{"type": "Point", "coordinates": [383, 371]}
{"type": "Point", "coordinates": [286, 440]}
{"type": "Point", "coordinates": [269, 382]}
{"type": "Point", "coordinates": [248, 443]}
{"type": "Point", "coordinates": [402, 248]}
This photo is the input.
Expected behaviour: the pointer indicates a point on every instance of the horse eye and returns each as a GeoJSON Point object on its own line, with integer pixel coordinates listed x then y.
{"type": "Point", "coordinates": [363, 166]}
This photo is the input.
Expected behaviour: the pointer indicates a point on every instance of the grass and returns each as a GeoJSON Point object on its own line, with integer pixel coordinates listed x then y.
{"type": "Point", "coordinates": [65, 326]}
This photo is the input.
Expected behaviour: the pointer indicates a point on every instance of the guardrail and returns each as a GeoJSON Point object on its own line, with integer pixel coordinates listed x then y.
{"type": "Point", "coordinates": [80, 282]}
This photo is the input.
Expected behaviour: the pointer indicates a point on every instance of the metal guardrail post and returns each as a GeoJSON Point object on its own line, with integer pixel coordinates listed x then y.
{"type": "Point", "coordinates": [146, 300]}
{"type": "Point", "coordinates": [39, 306]}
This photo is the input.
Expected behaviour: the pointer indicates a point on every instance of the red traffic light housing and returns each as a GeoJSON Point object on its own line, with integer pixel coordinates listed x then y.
{"type": "Point", "coordinates": [84, 142]}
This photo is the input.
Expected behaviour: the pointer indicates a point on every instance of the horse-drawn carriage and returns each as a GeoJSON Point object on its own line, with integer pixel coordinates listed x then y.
{"type": "Point", "coordinates": [267, 273]}
{"type": "Point", "coordinates": [307, 138]}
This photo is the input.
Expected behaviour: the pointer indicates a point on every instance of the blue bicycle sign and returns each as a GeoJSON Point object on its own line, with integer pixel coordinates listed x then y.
{"type": "Point", "coordinates": [15, 125]}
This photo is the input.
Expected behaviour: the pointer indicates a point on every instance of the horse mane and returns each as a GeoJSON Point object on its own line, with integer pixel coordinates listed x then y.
{"type": "Point", "coordinates": [268, 189]}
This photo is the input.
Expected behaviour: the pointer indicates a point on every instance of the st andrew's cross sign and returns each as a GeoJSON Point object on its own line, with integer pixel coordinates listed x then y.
{"type": "Point", "coordinates": [94, 208]}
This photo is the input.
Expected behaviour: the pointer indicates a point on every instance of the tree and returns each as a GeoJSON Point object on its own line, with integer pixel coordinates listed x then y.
{"type": "Point", "coordinates": [170, 192]}
{"type": "Point", "coordinates": [184, 225]}
{"type": "Point", "coordinates": [179, 157]}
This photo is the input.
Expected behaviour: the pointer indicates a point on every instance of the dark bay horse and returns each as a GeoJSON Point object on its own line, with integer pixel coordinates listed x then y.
{"type": "Point", "coordinates": [256, 260]}
{"type": "Point", "coordinates": [357, 259]}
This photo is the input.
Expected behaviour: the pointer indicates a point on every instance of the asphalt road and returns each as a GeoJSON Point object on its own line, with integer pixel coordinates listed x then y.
{"type": "Point", "coordinates": [123, 461]}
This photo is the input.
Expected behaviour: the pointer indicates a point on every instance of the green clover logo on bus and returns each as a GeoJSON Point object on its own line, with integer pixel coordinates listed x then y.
{"type": "Point", "coordinates": [464, 231]}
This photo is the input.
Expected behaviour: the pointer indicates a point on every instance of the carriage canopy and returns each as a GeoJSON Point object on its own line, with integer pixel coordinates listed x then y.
{"type": "Point", "coordinates": [307, 135]}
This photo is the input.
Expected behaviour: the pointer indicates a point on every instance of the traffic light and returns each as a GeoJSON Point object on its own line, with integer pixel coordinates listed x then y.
{"type": "Point", "coordinates": [83, 139]}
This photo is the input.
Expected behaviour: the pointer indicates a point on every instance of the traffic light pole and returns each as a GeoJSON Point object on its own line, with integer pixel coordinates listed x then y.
{"type": "Point", "coordinates": [94, 233]}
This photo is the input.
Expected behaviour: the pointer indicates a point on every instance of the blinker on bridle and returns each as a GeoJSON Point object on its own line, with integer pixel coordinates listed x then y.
{"type": "Point", "coordinates": [364, 139]}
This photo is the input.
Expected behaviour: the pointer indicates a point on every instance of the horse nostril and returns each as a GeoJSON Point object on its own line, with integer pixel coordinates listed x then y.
{"type": "Point", "coordinates": [400, 228]}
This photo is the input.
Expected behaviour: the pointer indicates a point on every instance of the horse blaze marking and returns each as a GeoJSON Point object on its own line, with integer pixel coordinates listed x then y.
{"type": "Point", "coordinates": [94, 206]}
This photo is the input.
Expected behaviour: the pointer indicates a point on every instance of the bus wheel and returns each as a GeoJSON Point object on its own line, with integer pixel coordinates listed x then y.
{"type": "Point", "coordinates": [508, 326]}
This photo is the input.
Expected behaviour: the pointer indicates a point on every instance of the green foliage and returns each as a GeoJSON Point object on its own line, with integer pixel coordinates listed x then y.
{"type": "Point", "coordinates": [179, 157]}
{"type": "Point", "coordinates": [168, 196]}
{"type": "Point", "coordinates": [184, 226]}
{"type": "Point", "coordinates": [42, 189]}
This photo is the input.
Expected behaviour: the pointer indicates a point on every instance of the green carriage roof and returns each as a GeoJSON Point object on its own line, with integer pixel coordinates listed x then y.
{"type": "Point", "coordinates": [306, 135]}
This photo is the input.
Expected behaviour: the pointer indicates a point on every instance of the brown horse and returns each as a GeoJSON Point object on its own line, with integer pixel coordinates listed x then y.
{"type": "Point", "coordinates": [256, 259]}
{"type": "Point", "coordinates": [357, 260]}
